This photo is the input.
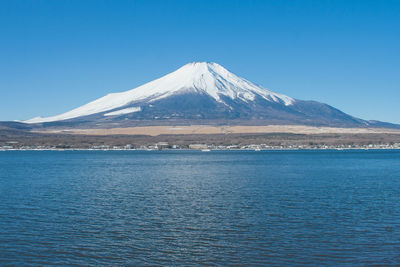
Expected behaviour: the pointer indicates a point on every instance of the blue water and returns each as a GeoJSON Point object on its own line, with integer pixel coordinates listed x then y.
{"type": "Point", "coordinates": [216, 208]}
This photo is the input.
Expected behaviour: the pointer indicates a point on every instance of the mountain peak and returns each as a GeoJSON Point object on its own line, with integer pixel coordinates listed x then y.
{"type": "Point", "coordinates": [201, 63]}
{"type": "Point", "coordinates": [194, 69]}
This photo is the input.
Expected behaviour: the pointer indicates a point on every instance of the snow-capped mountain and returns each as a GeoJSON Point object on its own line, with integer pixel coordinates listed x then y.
{"type": "Point", "coordinates": [199, 77]}
{"type": "Point", "coordinates": [202, 92]}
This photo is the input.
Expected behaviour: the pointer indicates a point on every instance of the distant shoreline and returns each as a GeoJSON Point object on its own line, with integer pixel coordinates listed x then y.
{"type": "Point", "coordinates": [203, 137]}
{"type": "Point", "coordinates": [211, 150]}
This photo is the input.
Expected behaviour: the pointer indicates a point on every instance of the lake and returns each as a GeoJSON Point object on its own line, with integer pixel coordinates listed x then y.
{"type": "Point", "coordinates": [193, 207]}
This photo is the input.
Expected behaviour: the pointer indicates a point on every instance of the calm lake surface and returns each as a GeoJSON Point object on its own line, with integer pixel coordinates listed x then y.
{"type": "Point", "coordinates": [191, 207]}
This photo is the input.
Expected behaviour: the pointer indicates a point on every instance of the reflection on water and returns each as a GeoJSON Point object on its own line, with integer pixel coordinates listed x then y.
{"type": "Point", "coordinates": [161, 208]}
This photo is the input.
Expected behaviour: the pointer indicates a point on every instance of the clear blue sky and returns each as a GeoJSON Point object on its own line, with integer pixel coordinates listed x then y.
{"type": "Point", "coordinates": [57, 55]}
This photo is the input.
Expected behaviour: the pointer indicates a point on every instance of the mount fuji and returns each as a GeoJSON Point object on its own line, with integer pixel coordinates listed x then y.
{"type": "Point", "coordinates": [202, 93]}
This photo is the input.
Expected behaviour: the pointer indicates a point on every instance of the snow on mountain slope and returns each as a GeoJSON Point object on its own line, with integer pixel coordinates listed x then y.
{"type": "Point", "coordinates": [123, 111]}
{"type": "Point", "coordinates": [198, 77]}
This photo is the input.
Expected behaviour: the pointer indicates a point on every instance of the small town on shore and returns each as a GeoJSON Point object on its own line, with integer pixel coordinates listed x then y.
{"type": "Point", "coordinates": [14, 145]}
